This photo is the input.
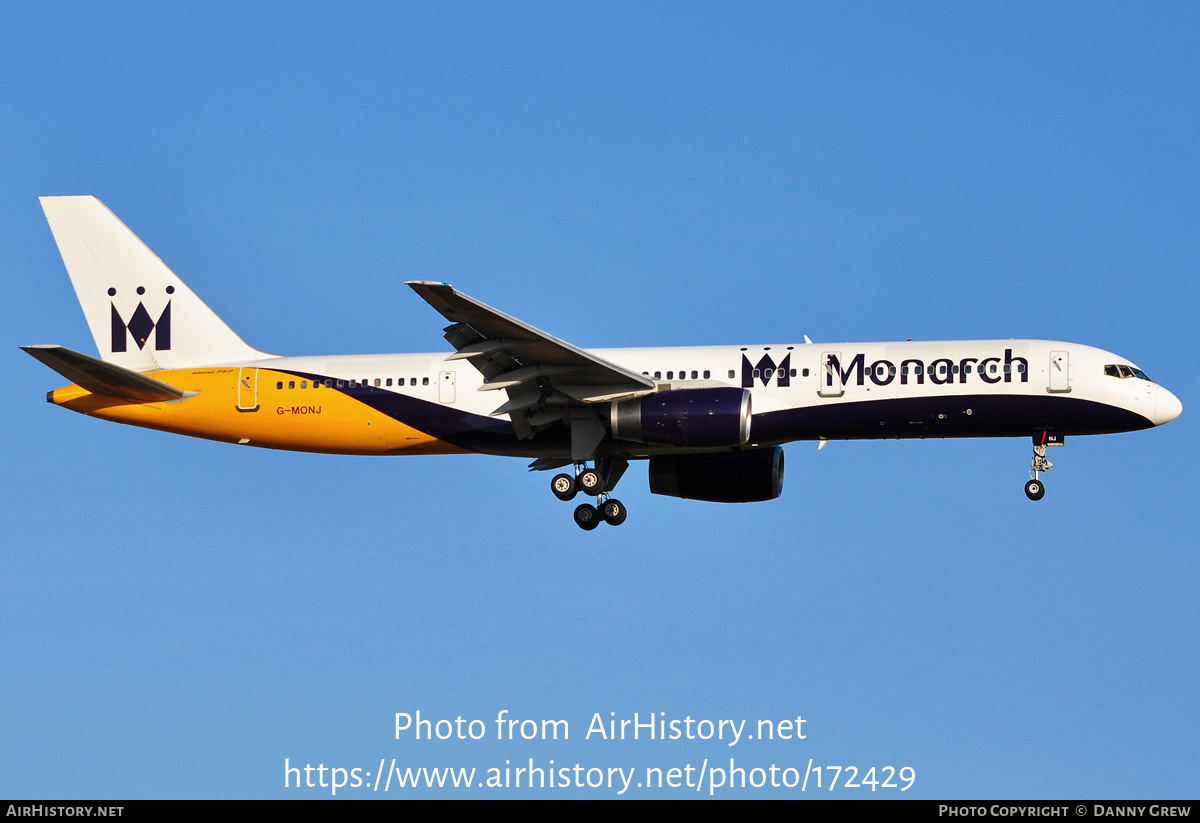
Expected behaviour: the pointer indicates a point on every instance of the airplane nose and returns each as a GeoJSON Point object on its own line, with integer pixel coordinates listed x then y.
{"type": "Point", "coordinates": [1166, 407]}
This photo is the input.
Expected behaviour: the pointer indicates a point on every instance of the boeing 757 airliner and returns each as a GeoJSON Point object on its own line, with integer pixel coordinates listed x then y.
{"type": "Point", "coordinates": [709, 420]}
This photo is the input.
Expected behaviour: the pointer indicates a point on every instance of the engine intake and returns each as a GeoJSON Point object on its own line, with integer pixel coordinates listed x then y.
{"type": "Point", "coordinates": [685, 417]}
{"type": "Point", "coordinates": [732, 477]}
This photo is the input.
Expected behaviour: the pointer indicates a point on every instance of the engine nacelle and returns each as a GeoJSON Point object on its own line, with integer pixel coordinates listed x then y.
{"type": "Point", "coordinates": [703, 418]}
{"type": "Point", "coordinates": [731, 477]}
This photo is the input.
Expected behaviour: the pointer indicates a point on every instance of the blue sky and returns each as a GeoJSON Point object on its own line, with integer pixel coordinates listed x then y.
{"type": "Point", "coordinates": [181, 616]}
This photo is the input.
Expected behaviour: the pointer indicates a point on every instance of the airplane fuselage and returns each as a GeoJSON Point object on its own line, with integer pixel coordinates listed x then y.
{"type": "Point", "coordinates": [422, 404]}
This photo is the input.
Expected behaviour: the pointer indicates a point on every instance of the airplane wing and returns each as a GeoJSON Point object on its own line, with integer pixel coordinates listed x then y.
{"type": "Point", "coordinates": [546, 379]}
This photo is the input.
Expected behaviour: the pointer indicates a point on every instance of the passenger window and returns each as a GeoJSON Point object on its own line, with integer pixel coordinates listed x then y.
{"type": "Point", "coordinates": [1021, 368]}
{"type": "Point", "coordinates": [279, 385]}
{"type": "Point", "coordinates": [757, 374]}
{"type": "Point", "coordinates": [767, 373]}
{"type": "Point", "coordinates": [707, 374]}
{"type": "Point", "coordinates": [731, 374]}
{"type": "Point", "coordinates": [388, 381]}
{"type": "Point", "coordinates": [304, 384]}
{"type": "Point", "coordinates": [966, 369]}
{"type": "Point", "coordinates": [658, 375]}
{"type": "Point", "coordinates": [993, 368]}
{"type": "Point", "coordinates": [670, 375]}
{"type": "Point", "coordinates": [1008, 368]}
{"type": "Point", "coordinates": [341, 384]}
{"type": "Point", "coordinates": [377, 381]}
{"type": "Point", "coordinates": [793, 372]}
{"type": "Point", "coordinates": [291, 384]}
{"type": "Point", "coordinates": [424, 381]}
{"type": "Point", "coordinates": [412, 382]}
{"type": "Point", "coordinates": [805, 372]}
{"type": "Point", "coordinates": [694, 375]}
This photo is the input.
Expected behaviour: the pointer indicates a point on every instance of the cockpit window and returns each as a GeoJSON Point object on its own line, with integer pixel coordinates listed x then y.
{"type": "Point", "coordinates": [1124, 371]}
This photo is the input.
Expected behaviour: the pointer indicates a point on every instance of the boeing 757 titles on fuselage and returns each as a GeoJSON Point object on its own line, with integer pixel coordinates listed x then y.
{"type": "Point", "coordinates": [709, 420]}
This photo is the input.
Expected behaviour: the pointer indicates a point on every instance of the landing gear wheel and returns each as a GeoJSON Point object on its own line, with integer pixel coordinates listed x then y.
{"type": "Point", "coordinates": [614, 512]}
{"type": "Point", "coordinates": [1034, 490]}
{"type": "Point", "coordinates": [586, 517]}
{"type": "Point", "coordinates": [590, 482]}
{"type": "Point", "coordinates": [564, 486]}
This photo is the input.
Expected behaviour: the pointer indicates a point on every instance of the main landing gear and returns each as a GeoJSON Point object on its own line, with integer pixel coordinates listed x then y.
{"type": "Point", "coordinates": [1035, 489]}
{"type": "Point", "coordinates": [597, 482]}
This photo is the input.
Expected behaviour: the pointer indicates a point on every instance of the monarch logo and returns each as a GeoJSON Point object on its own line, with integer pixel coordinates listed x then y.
{"type": "Point", "coordinates": [765, 370]}
{"type": "Point", "coordinates": [141, 325]}
{"type": "Point", "coordinates": [940, 372]}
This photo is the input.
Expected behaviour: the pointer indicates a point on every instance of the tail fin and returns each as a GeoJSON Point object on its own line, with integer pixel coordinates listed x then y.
{"type": "Point", "coordinates": [141, 314]}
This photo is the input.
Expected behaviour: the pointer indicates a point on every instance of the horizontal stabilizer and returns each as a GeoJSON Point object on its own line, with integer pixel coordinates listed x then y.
{"type": "Point", "coordinates": [103, 378]}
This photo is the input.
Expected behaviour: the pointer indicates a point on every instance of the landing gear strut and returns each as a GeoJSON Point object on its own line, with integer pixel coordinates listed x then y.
{"type": "Point", "coordinates": [597, 482]}
{"type": "Point", "coordinates": [1035, 489]}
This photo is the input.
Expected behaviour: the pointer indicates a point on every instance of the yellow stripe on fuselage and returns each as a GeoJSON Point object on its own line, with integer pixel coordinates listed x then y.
{"type": "Point", "coordinates": [312, 419]}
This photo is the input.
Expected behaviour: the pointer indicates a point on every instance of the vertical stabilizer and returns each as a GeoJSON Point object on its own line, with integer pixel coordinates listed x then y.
{"type": "Point", "coordinates": [142, 316]}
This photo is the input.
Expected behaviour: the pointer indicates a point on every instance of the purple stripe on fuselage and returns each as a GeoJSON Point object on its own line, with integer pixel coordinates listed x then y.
{"type": "Point", "coordinates": [981, 415]}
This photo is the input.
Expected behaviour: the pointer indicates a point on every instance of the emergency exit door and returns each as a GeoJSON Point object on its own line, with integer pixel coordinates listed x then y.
{"type": "Point", "coordinates": [446, 387]}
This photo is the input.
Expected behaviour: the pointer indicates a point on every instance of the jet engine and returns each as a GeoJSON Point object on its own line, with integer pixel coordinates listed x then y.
{"type": "Point", "coordinates": [703, 418]}
{"type": "Point", "coordinates": [729, 477]}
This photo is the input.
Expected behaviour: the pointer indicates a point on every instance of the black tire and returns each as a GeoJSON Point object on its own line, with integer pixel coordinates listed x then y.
{"type": "Point", "coordinates": [564, 486]}
{"type": "Point", "coordinates": [586, 517]}
{"type": "Point", "coordinates": [614, 512]}
{"type": "Point", "coordinates": [1035, 490]}
{"type": "Point", "coordinates": [590, 482]}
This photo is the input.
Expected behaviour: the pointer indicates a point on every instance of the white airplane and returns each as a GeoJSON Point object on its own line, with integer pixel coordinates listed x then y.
{"type": "Point", "coordinates": [710, 420]}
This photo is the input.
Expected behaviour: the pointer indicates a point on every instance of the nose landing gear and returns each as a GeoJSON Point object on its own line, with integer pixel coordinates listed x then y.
{"type": "Point", "coordinates": [1035, 489]}
{"type": "Point", "coordinates": [597, 482]}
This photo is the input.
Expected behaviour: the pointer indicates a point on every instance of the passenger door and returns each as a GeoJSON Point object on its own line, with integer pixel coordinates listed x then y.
{"type": "Point", "coordinates": [1060, 372]}
{"type": "Point", "coordinates": [247, 389]}
{"type": "Point", "coordinates": [830, 375]}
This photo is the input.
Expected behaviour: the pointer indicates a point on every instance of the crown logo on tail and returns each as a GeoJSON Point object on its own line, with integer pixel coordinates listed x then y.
{"type": "Point", "coordinates": [141, 325]}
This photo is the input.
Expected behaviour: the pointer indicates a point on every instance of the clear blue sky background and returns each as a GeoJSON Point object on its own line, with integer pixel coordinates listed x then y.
{"type": "Point", "coordinates": [179, 616]}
